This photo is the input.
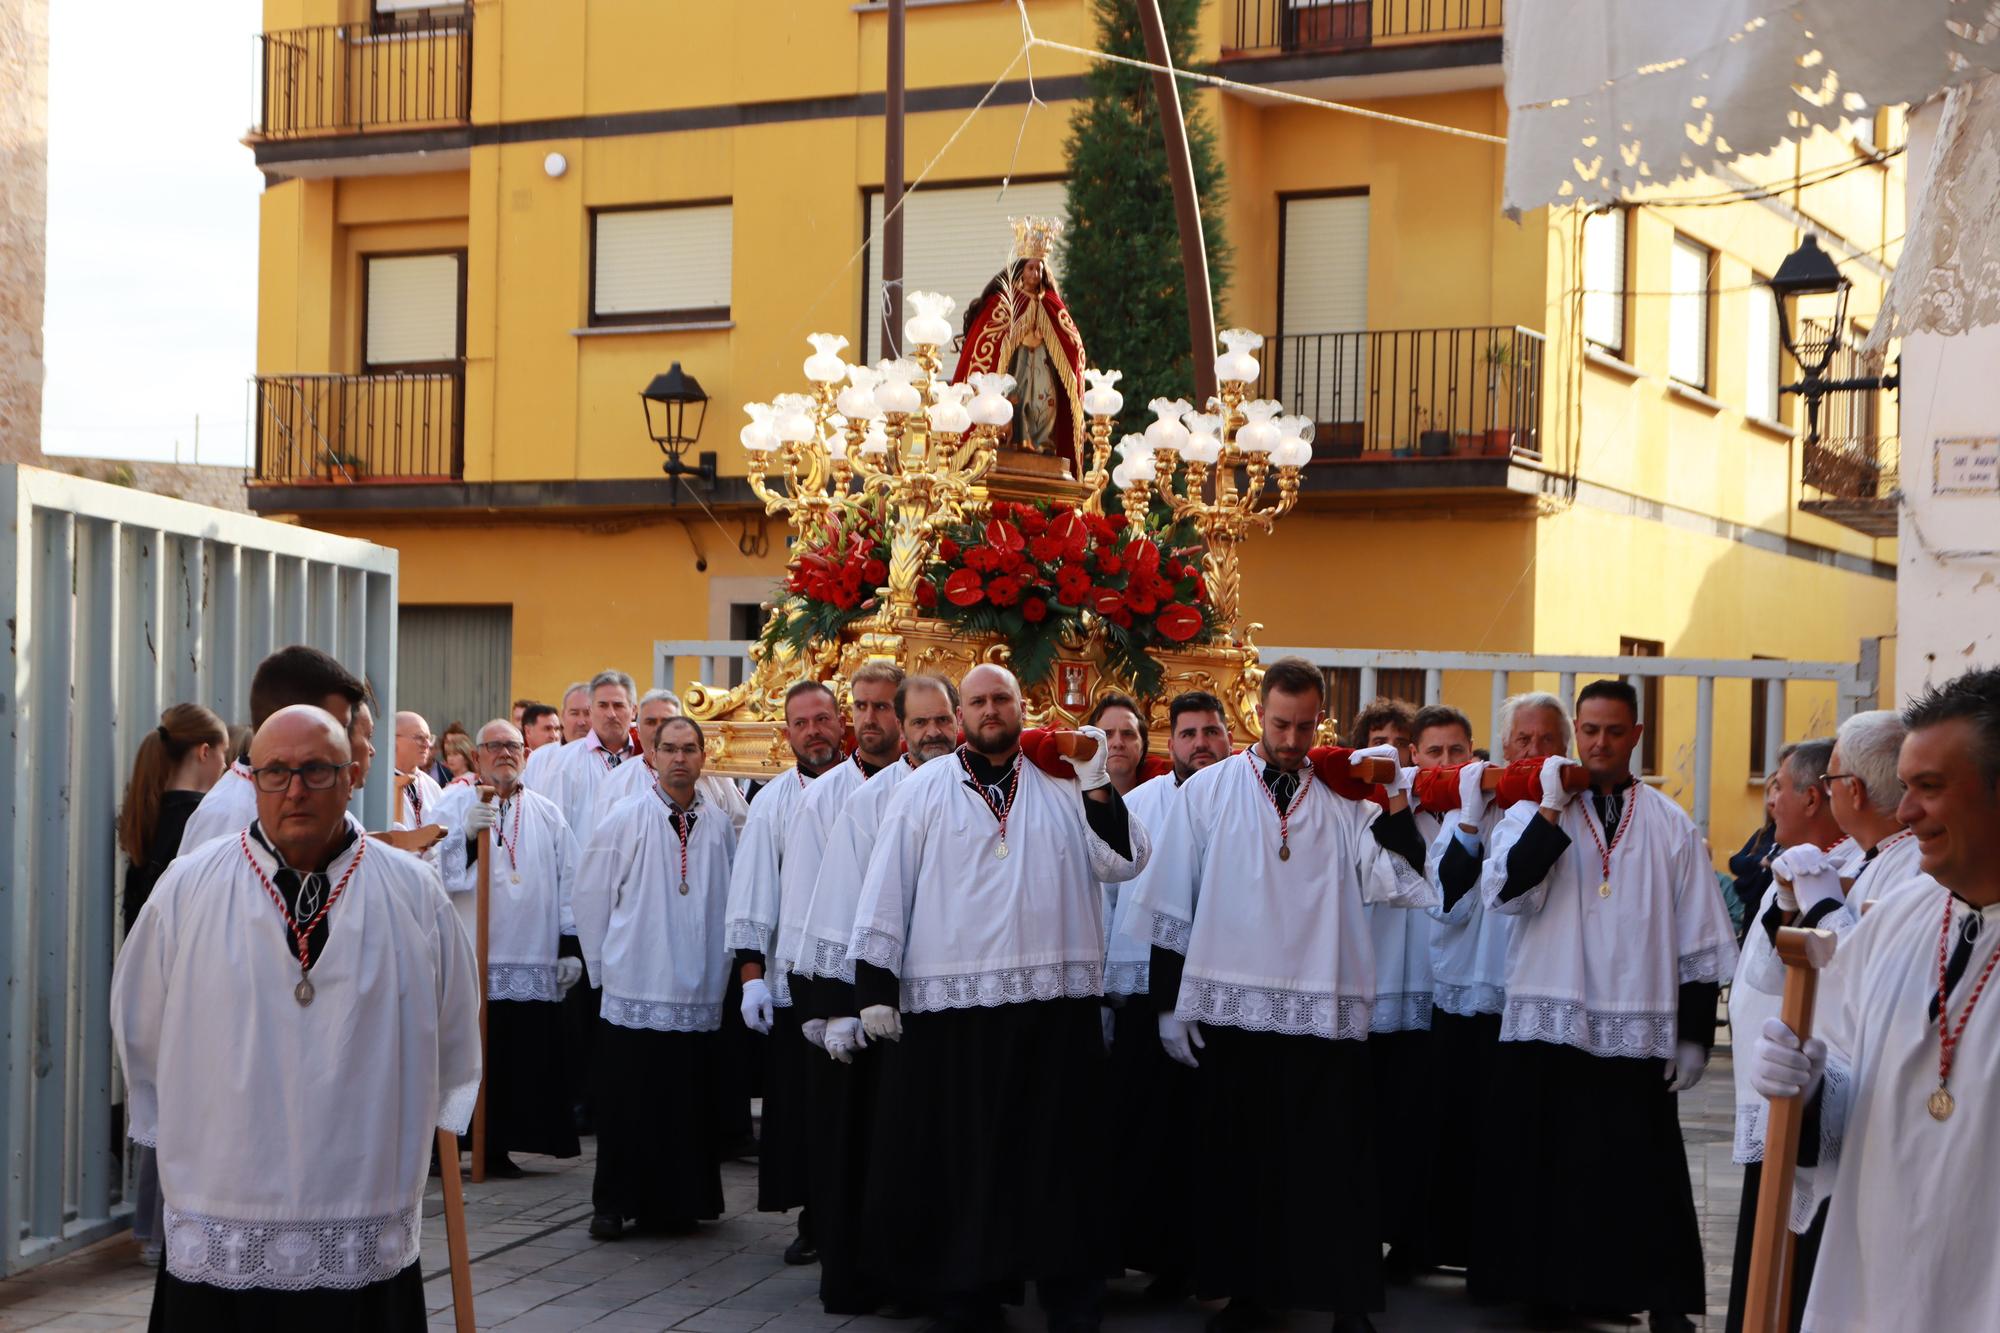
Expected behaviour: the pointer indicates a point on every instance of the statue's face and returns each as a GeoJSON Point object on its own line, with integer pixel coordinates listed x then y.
{"type": "Point", "coordinates": [1031, 275]}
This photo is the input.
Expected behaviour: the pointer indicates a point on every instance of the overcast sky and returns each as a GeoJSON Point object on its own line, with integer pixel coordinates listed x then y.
{"type": "Point", "coordinates": [152, 285]}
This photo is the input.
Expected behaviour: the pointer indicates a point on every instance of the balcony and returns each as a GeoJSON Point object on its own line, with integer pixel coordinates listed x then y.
{"type": "Point", "coordinates": [1392, 46]}
{"type": "Point", "coordinates": [359, 430]}
{"type": "Point", "coordinates": [1455, 407]}
{"type": "Point", "coordinates": [405, 87]}
{"type": "Point", "coordinates": [1856, 482]}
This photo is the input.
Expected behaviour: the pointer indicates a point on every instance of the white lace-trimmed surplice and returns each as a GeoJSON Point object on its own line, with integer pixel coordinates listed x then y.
{"type": "Point", "coordinates": [293, 1140]}
{"type": "Point", "coordinates": [1894, 867]}
{"type": "Point", "coordinates": [529, 918]}
{"type": "Point", "coordinates": [1604, 974]}
{"type": "Point", "coordinates": [227, 808]}
{"type": "Point", "coordinates": [635, 776]}
{"type": "Point", "coordinates": [962, 927]}
{"type": "Point", "coordinates": [1468, 943]}
{"type": "Point", "coordinates": [755, 886]}
{"type": "Point", "coordinates": [828, 922]}
{"type": "Point", "coordinates": [539, 772]}
{"type": "Point", "coordinates": [581, 773]}
{"type": "Point", "coordinates": [657, 952]}
{"type": "Point", "coordinates": [1273, 945]}
{"type": "Point", "coordinates": [1909, 1236]}
{"type": "Point", "coordinates": [417, 803]}
{"type": "Point", "coordinates": [1401, 940]}
{"type": "Point", "coordinates": [1128, 952]}
{"type": "Point", "coordinates": [812, 823]}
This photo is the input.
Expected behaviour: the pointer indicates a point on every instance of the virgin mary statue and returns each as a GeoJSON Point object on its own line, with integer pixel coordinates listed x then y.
{"type": "Point", "coordinates": [1020, 327]}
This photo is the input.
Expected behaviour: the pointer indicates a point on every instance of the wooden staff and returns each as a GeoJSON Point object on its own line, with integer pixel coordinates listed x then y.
{"type": "Point", "coordinates": [481, 895]}
{"type": "Point", "coordinates": [1767, 1306]}
{"type": "Point", "coordinates": [454, 1231]}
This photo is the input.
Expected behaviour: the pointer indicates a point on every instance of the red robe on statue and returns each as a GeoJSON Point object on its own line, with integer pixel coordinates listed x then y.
{"type": "Point", "coordinates": [1033, 339]}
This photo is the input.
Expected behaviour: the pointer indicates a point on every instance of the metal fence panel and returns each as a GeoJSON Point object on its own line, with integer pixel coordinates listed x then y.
{"type": "Point", "coordinates": [119, 602]}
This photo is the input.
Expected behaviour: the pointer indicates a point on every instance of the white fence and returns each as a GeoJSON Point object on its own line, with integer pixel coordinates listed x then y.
{"type": "Point", "coordinates": [1852, 683]}
{"type": "Point", "coordinates": [118, 603]}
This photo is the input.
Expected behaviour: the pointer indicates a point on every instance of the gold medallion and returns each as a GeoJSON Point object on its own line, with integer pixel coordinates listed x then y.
{"type": "Point", "coordinates": [684, 888]}
{"type": "Point", "coordinates": [1284, 851]}
{"type": "Point", "coordinates": [1941, 1104]}
{"type": "Point", "coordinates": [303, 993]}
{"type": "Point", "coordinates": [1604, 889]}
{"type": "Point", "coordinates": [515, 878]}
{"type": "Point", "coordinates": [1000, 852]}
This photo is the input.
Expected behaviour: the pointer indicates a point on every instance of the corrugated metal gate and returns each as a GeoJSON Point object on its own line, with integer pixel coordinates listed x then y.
{"type": "Point", "coordinates": [118, 603]}
{"type": "Point", "coordinates": [456, 663]}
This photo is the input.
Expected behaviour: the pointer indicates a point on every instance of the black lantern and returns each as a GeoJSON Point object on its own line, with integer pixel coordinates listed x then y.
{"type": "Point", "coordinates": [668, 400]}
{"type": "Point", "coordinates": [1810, 271]}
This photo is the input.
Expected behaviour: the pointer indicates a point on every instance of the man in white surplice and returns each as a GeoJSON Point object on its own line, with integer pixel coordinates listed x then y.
{"type": "Point", "coordinates": [1899, 1124]}
{"type": "Point", "coordinates": [1863, 791]}
{"type": "Point", "coordinates": [297, 1012]}
{"type": "Point", "coordinates": [979, 943]}
{"type": "Point", "coordinates": [1263, 978]}
{"type": "Point", "coordinates": [655, 707]}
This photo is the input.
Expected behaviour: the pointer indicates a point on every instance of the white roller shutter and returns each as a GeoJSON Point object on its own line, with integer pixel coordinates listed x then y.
{"type": "Point", "coordinates": [663, 261]}
{"type": "Point", "coordinates": [1687, 320]}
{"type": "Point", "coordinates": [1325, 291]}
{"type": "Point", "coordinates": [1760, 333]}
{"type": "Point", "coordinates": [1604, 279]}
{"type": "Point", "coordinates": [955, 238]}
{"type": "Point", "coordinates": [412, 309]}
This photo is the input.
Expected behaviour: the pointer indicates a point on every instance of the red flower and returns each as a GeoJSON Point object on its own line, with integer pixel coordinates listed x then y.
{"type": "Point", "coordinates": [1108, 601]}
{"type": "Point", "coordinates": [927, 594]}
{"type": "Point", "coordinates": [980, 558]}
{"type": "Point", "coordinates": [1174, 569]}
{"type": "Point", "coordinates": [873, 571]}
{"type": "Point", "coordinates": [1142, 554]}
{"type": "Point", "coordinates": [963, 588]}
{"type": "Point", "coordinates": [1122, 618]}
{"type": "Point", "coordinates": [1047, 549]}
{"type": "Point", "coordinates": [1004, 591]}
{"type": "Point", "coordinates": [1179, 622]}
{"type": "Point", "coordinates": [1072, 585]}
{"type": "Point", "coordinates": [1109, 564]}
{"type": "Point", "coordinates": [1012, 562]}
{"type": "Point", "coordinates": [1034, 610]}
{"type": "Point", "coordinates": [1031, 521]}
{"type": "Point", "coordinates": [947, 549]}
{"type": "Point", "coordinates": [1072, 529]}
{"type": "Point", "coordinates": [1003, 535]}
{"type": "Point", "coordinates": [1142, 601]}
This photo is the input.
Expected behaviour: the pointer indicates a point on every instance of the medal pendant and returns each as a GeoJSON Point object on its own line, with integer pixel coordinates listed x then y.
{"type": "Point", "coordinates": [1940, 1104]}
{"type": "Point", "coordinates": [1604, 889]}
{"type": "Point", "coordinates": [684, 888]}
{"type": "Point", "coordinates": [1284, 851]}
{"type": "Point", "coordinates": [514, 878]}
{"type": "Point", "coordinates": [303, 993]}
{"type": "Point", "coordinates": [1000, 852]}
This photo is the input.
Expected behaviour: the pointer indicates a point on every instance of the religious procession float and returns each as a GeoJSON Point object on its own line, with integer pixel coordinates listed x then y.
{"type": "Point", "coordinates": [945, 521]}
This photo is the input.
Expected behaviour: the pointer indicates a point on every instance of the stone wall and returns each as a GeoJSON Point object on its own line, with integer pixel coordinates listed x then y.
{"type": "Point", "coordinates": [24, 212]}
{"type": "Point", "coordinates": [201, 483]}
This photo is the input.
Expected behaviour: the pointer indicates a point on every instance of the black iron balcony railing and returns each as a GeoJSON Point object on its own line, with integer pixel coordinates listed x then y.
{"type": "Point", "coordinates": [359, 428]}
{"type": "Point", "coordinates": [1853, 464]}
{"type": "Point", "coordinates": [349, 78]}
{"type": "Point", "coordinates": [1342, 25]}
{"type": "Point", "coordinates": [1412, 393]}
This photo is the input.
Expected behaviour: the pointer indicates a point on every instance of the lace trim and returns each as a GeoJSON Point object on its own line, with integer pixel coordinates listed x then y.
{"type": "Point", "coordinates": [752, 935]}
{"type": "Point", "coordinates": [1296, 1013]}
{"type": "Point", "coordinates": [289, 1256]}
{"type": "Point", "coordinates": [1475, 997]}
{"type": "Point", "coordinates": [1813, 1185]}
{"type": "Point", "coordinates": [830, 960]}
{"type": "Point", "coordinates": [522, 981]}
{"type": "Point", "coordinates": [1170, 932]}
{"type": "Point", "coordinates": [876, 947]}
{"type": "Point", "coordinates": [1127, 978]}
{"type": "Point", "coordinates": [1703, 965]}
{"type": "Point", "coordinates": [779, 978]}
{"type": "Point", "coordinates": [456, 1112]}
{"type": "Point", "coordinates": [1749, 1143]}
{"type": "Point", "coordinates": [1408, 1011]}
{"type": "Point", "coordinates": [661, 1015]}
{"type": "Point", "coordinates": [1568, 1023]}
{"type": "Point", "coordinates": [1011, 985]}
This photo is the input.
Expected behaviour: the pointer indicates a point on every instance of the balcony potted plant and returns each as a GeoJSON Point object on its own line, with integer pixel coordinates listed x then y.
{"type": "Point", "coordinates": [338, 466]}
{"type": "Point", "coordinates": [1431, 443]}
{"type": "Point", "coordinates": [1502, 360]}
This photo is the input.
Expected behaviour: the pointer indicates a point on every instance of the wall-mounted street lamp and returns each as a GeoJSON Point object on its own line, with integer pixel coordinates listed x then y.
{"type": "Point", "coordinates": [1810, 271]}
{"type": "Point", "coordinates": [673, 426]}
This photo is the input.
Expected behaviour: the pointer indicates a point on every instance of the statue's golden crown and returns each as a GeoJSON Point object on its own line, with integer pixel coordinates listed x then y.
{"type": "Point", "coordinates": [1035, 238]}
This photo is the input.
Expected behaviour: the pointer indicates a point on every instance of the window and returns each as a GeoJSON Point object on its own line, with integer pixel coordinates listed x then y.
{"type": "Point", "coordinates": [955, 238]}
{"type": "Point", "coordinates": [1687, 316]}
{"type": "Point", "coordinates": [746, 621]}
{"type": "Point", "coordinates": [1649, 703]}
{"type": "Point", "coordinates": [412, 305]}
{"type": "Point", "coordinates": [660, 265]}
{"type": "Point", "coordinates": [1760, 712]}
{"type": "Point", "coordinates": [1323, 290]}
{"type": "Point", "coordinates": [1604, 279]}
{"type": "Point", "coordinates": [1760, 333]}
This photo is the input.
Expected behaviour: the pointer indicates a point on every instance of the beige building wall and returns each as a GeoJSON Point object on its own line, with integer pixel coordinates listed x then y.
{"type": "Point", "coordinates": [24, 212]}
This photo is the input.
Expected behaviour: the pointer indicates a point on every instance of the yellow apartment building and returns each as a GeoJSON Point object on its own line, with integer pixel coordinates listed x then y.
{"type": "Point", "coordinates": [487, 227]}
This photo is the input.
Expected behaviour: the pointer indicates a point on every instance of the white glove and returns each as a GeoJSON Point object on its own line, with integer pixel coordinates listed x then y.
{"type": "Point", "coordinates": [1471, 795]}
{"type": "Point", "coordinates": [1093, 772]}
{"type": "Point", "coordinates": [814, 1030]}
{"type": "Point", "coordinates": [1399, 783]}
{"type": "Point", "coordinates": [569, 971]}
{"type": "Point", "coordinates": [882, 1022]}
{"type": "Point", "coordinates": [1555, 796]}
{"type": "Point", "coordinates": [1110, 1022]}
{"type": "Point", "coordinates": [843, 1037]}
{"type": "Point", "coordinates": [758, 1015]}
{"type": "Point", "coordinates": [1686, 1067]}
{"type": "Point", "coordinates": [1180, 1039]}
{"type": "Point", "coordinates": [1780, 1067]}
{"type": "Point", "coordinates": [481, 816]}
{"type": "Point", "coordinates": [1815, 876]}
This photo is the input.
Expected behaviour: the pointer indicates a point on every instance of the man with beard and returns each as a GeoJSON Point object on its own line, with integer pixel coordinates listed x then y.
{"type": "Point", "coordinates": [842, 1089]}
{"type": "Point", "coordinates": [1469, 971]}
{"type": "Point", "coordinates": [1123, 723]}
{"type": "Point", "coordinates": [1152, 1097]}
{"type": "Point", "coordinates": [980, 919]}
{"type": "Point", "coordinates": [1261, 961]}
{"type": "Point", "coordinates": [530, 883]}
{"type": "Point", "coordinates": [813, 730]}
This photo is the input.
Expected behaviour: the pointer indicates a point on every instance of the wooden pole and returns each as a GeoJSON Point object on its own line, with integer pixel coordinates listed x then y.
{"type": "Point", "coordinates": [1767, 1304]}
{"type": "Point", "coordinates": [891, 313]}
{"type": "Point", "coordinates": [1187, 206]}
{"type": "Point", "coordinates": [482, 893]}
{"type": "Point", "coordinates": [454, 1231]}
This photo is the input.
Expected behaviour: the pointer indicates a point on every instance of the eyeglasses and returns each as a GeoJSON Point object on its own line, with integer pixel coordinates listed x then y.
{"type": "Point", "coordinates": [276, 778]}
{"type": "Point", "coordinates": [1828, 779]}
{"type": "Point", "coordinates": [498, 748]}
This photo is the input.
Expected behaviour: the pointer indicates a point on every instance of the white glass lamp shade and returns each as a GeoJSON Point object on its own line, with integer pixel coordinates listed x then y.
{"type": "Point", "coordinates": [948, 415]}
{"type": "Point", "coordinates": [1120, 477]}
{"type": "Point", "coordinates": [757, 436]}
{"type": "Point", "coordinates": [929, 324]}
{"type": "Point", "coordinates": [1237, 365]}
{"type": "Point", "coordinates": [1166, 431]}
{"type": "Point", "coordinates": [1204, 433]}
{"type": "Point", "coordinates": [836, 436]}
{"type": "Point", "coordinates": [792, 420]}
{"type": "Point", "coordinates": [1101, 398]}
{"type": "Point", "coordinates": [1295, 445]}
{"type": "Point", "coordinates": [990, 405]}
{"type": "Point", "coordinates": [895, 394]}
{"type": "Point", "coordinates": [1204, 449]}
{"type": "Point", "coordinates": [824, 366]}
{"type": "Point", "coordinates": [876, 442]}
{"type": "Point", "coordinates": [1259, 433]}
